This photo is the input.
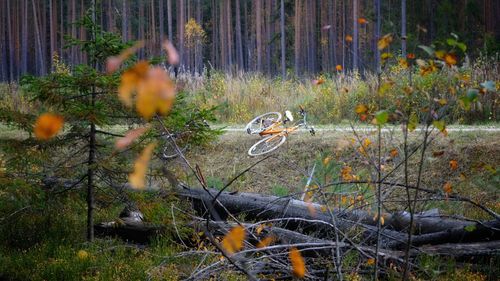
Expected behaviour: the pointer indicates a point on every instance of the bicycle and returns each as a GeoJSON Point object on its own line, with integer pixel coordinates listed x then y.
{"type": "Point", "coordinates": [272, 128]}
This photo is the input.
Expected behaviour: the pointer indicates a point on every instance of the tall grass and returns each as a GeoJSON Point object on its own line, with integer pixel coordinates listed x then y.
{"type": "Point", "coordinates": [245, 95]}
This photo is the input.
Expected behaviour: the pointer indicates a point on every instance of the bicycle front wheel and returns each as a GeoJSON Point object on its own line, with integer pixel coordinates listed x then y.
{"type": "Point", "coordinates": [262, 122]}
{"type": "Point", "coordinates": [266, 145]}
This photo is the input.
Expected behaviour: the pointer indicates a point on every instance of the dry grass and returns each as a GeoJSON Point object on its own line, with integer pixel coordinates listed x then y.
{"type": "Point", "coordinates": [476, 153]}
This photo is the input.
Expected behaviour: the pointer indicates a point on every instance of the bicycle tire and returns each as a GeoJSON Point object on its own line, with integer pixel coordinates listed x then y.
{"type": "Point", "coordinates": [169, 150]}
{"type": "Point", "coordinates": [258, 122]}
{"type": "Point", "coordinates": [266, 145]}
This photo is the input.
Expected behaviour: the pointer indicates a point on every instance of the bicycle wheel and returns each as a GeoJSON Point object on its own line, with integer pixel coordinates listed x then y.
{"type": "Point", "coordinates": [262, 122]}
{"type": "Point", "coordinates": [169, 150]}
{"type": "Point", "coordinates": [266, 145]}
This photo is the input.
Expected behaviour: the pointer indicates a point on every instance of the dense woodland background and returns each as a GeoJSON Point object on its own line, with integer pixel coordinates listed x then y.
{"type": "Point", "coordinates": [270, 36]}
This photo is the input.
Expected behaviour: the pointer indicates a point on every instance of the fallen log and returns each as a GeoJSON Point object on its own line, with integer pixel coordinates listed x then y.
{"type": "Point", "coordinates": [140, 232]}
{"type": "Point", "coordinates": [262, 207]}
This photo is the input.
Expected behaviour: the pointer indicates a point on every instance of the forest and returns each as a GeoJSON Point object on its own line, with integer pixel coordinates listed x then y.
{"type": "Point", "coordinates": [249, 140]}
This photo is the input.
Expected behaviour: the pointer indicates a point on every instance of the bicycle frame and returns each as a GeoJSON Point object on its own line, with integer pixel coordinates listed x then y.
{"type": "Point", "coordinates": [274, 129]}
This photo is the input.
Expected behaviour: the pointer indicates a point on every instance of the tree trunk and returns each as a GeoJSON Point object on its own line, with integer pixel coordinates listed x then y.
{"type": "Point", "coordinates": [124, 21]}
{"type": "Point", "coordinates": [297, 44]}
{"type": "Point", "coordinates": [258, 32]}
{"type": "Point", "coordinates": [377, 35]}
{"type": "Point", "coordinates": [38, 42]}
{"type": "Point", "coordinates": [403, 28]}
{"type": "Point", "coordinates": [239, 44]}
{"type": "Point", "coordinates": [160, 19]}
{"type": "Point", "coordinates": [282, 30]}
{"type": "Point", "coordinates": [24, 38]}
{"type": "Point", "coordinates": [355, 5]}
{"type": "Point", "coordinates": [10, 41]}
{"type": "Point", "coordinates": [169, 15]}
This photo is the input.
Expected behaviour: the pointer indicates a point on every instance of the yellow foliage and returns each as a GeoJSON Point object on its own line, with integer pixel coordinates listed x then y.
{"type": "Point", "coordinates": [136, 178]}
{"type": "Point", "coordinates": [298, 264]}
{"type": "Point", "coordinates": [234, 239]}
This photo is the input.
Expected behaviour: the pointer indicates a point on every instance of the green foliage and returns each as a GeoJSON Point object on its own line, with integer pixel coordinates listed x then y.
{"type": "Point", "coordinates": [279, 190]}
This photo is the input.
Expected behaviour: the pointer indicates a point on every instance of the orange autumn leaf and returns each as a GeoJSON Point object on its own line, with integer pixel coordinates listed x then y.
{"type": "Point", "coordinates": [318, 81]}
{"type": "Point", "coordinates": [114, 62]}
{"type": "Point", "coordinates": [48, 125]}
{"type": "Point", "coordinates": [173, 55]}
{"type": "Point", "coordinates": [410, 56]}
{"type": "Point", "coordinates": [338, 67]}
{"type": "Point", "coordinates": [234, 239]}
{"type": "Point", "coordinates": [362, 21]}
{"type": "Point", "coordinates": [267, 241]}
{"type": "Point", "coordinates": [370, 261]}
{"type": "Point", "coordinates": [298, 263]}
{"type": "Point", "coordinates": [129, 137]}
{"type": "Point", "coordinates": [156, 94]}
{"type": "Point", "coordinates": [130, 80]}
{"type": "Point", "coordinates": [137, 177]}
{"type": "Point", "coordinates": [428, 69]}
{"type": "Point", "coordinates": [348, 38]}
{"type": "Point", "coordinates": [453, 164]}
{"type": "Point", "coordinates": [447, 187]}
{"type": "Point", "coordinates": [384, 42]}
{"type": "Point", "coordinates": [450, 59]}
{"type": "Point", "coordinates": [394, 153]}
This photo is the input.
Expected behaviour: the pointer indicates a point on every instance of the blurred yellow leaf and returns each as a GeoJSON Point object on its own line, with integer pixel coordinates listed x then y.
{"type": "Point", "coordinates": [361, 108]}
{"type": "Point", "coordinates": [298, 263]}
{"type": "Point", "coordinates": [129, 137]}
{"type": "Point", "coordinates": [234, 239]}
{"type": "Point", "coordinates": [385, 56]}
{"type": "Point", "coordinates": [48, 125]}
{"type": "Point", "coordinates": [403, 63]}
{"type": "Point", "coordinates": [338, 67]}
{"type": "Point", "coordinates": [384, 42]}
{"type": "Point", "coordinates": [156, 94]}
{"type": "Point", "coordinates": [370, 261]}
{"type": "Point", "coordinates": [259, 228]}
{"type": "Point", "coordinates": [366, 142]}
{"type": "Point", "coordinates": [267, 241]}
{"type": "Point", "coordinates": [130, 80]}
{"type": "Point", "coordinates": [440, 54]}
{"type": "Point", "coordinates": [82, 255]}
{"type": "Point", "coordinates": [348, 38]}
{"type": "Point", "coordinates": [136, 178]}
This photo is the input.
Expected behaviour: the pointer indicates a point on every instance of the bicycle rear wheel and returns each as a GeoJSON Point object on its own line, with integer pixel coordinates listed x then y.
{"type": "Point", "coordinates": [266, 145]}
{"type": "Point", "coordinates": [262, 122]}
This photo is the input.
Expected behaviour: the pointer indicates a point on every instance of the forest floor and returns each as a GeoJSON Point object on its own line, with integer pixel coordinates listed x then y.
{"type": "Point", "coordinates": [476, 150]}
{"type": "Point", "coordinates": [61, 254]}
